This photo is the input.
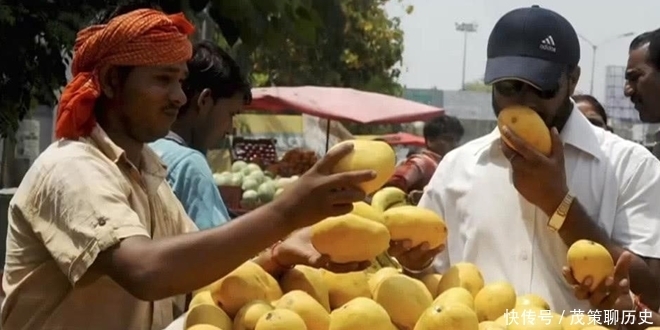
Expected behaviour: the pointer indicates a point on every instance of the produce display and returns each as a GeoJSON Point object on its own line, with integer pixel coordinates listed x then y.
{"type": "Point", "coordinates": [259, 151]}
{"type": "Point", "coordinates": [307, 298]}
{"type": "Point", "coordinates": [258, 186]}
{"type": "Point", "coordinates": [381, 297]}
{"type": "Point", "coordinates": [294, 162]}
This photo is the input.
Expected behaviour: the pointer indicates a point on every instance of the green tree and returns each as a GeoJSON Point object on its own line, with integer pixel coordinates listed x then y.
{"type": "Point", "coordinates": [478, 86]}
{"type": "Point", "coordinates": [357, 46]}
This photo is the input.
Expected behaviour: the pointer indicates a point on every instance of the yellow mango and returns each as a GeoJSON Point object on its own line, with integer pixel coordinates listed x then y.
{"type": "Point", "coordinates": [377, 156]}
{"type": "Point", "coordinates": [528, 125]}
{"type": "Point", "coordinates": [404, 298]}
{"type": "Point", "coordinates": [345, 287]}
{"type": "Point", "coordinates": [454, 317]}
{"type": "Point", "coordinates": [307, 279]}
{"type": "Point", "coordinates": [416, 224]}
{"type": "Point", "coordinates": [493, 300]}
{"type": "Point", "coordinates": [589, 259]}
{"type": "Point", "coordinates": [280, 319]}
{"type": "Point", "coordinates": [350, 238]}
{"type": "Point", "coordinates": [207, 314]}
{"type": "Point", "coordinates": [462, 274]}
{"type": "Point", "coordinates": [316, 317]}
{"type": "Point", "coordinates": [250, 313]}
{"type": "Point", "coordinates": [246, 283]}
{"type": "Point", "coordinates": [360, 314]}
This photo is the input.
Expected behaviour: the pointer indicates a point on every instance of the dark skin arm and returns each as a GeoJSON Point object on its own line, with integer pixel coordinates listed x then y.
{"type": "Point", "coordinates": [644, 272]}
{"type": "Point", "coordinates": [155, 269]}
{"type": "Point", "coordinates": [542, 180]}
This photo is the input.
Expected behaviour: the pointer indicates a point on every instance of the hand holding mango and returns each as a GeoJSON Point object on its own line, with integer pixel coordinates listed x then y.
{"type": "Point", "coordinates": [536, 155]}
{"type": "Point", "coordinates": [323, 191]}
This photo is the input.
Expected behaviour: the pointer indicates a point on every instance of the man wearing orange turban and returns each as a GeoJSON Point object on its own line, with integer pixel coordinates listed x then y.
{"type": "Point", "coordinates": [96, 237]}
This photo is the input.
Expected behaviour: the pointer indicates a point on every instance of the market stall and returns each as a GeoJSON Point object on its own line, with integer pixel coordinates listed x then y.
{"type": "Point", "coordinates": [257, 175]}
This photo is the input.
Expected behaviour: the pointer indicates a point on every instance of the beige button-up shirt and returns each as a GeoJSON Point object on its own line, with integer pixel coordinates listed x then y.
{"type": "Point", "coordinates": [78, 199]}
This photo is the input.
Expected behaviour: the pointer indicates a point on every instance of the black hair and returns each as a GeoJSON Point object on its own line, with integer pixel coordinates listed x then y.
{"type": "Point", "coordinates": [651, 38]}
{"type": "Point", "coordinates": [654, 48]}
{"type": "Point", "coordinates": [443, 125]}
{"type": "Point", "coordinates": [213, 68]}
{"type": "Point", "coordinates": [640, 41]}
{"type": "Point", "coordinates": [594, 103]}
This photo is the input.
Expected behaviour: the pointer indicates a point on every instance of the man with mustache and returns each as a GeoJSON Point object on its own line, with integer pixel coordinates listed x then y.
{"type": "Point", "coordinates": [513, 211]}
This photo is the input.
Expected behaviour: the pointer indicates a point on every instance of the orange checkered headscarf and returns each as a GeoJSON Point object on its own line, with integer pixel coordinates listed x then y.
{"type": "Point", "coordinates": [141, 37]}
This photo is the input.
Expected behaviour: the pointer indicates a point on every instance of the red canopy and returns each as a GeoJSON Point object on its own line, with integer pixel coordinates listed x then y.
{"type": "Point", "coordinates": [403, 138]}
{"type": "Point", "coordinates": [342, 103]}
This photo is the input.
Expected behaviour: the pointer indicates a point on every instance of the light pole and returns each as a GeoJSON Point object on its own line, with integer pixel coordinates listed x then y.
{"type": "Point", "coordinates": [594, 48]}
{"type": "Point", "coordinates": [465, 28]}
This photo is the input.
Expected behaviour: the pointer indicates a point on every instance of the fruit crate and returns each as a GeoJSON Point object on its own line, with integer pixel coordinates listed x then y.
{"type": "Point", "coordinates": [231, 195]}
{"type": "Point", "coordinates": [259, 151]}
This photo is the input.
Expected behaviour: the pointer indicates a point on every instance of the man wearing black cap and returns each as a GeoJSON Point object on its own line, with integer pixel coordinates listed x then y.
{"type": "Point", "coordinates": [515, 213]}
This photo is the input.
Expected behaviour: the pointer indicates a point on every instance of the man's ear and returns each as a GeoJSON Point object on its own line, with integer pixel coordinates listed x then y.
{"type": "Point", "coordinates": [205, 100]}
{"type": "Point", "coordinates": [109, 81]}
{"type": "Point", "coordinates": [573, 78]}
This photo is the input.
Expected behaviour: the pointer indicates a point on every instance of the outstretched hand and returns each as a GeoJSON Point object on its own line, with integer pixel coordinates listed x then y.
{"type": "Point", "coordinates": [613, 293]}
{"type": "Point", "coordinates": [297, 249]}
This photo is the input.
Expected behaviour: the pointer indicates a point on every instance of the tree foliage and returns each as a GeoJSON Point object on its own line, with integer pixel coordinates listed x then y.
{"type": "Point", "coordinates": [39, 35]}
{"type": "Point", "coordinates": [478, 86]}
{"type": "Point", "coordinates": [357, 45]}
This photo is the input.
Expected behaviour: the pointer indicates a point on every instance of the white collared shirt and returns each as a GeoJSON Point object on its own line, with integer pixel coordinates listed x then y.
{"type": "Point", "coordinates": [491, 225]}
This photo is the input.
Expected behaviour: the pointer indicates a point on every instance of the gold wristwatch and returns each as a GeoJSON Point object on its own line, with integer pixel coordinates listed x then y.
{"type": "Point", "coordinates": [557, 219]}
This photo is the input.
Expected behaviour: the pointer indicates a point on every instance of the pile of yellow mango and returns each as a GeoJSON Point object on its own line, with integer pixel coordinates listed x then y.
{"type": "Point", "coordinates": [381, 297]}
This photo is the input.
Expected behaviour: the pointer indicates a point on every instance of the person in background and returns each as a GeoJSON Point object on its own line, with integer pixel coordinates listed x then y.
{"type": "Point", "coordinates": [442, 134]}
{"type": "Point", "coordinates": [513, 211]}
{"type": "Point", "coordinates": [216, 90]}
{"type": "Point", "coordinates": [96, 237]}
{"type": "Point", "coordinates": [593, 110]}
{"type": "Point", "coordinates": [643, 88]}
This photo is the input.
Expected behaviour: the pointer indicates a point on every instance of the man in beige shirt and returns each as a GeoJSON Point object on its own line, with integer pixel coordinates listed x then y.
{"type": "Point", "coordinates": [96, 238]}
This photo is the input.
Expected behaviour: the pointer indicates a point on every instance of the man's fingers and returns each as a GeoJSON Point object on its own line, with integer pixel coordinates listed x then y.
{"type": "Point", "coordinates": [602, 291]}
{"type": "Point", "coordinates": [334, 155]}
{"type": "Point", "coordinates": [622, 266]}
{"type": "Point", "coordinates": [523, 148]}
{"type": "Point", "coordinates": [568, 276]}
{"type": "Point", "coordinates": [350, 179]}
{"type": "Point", "coordinates": [397, 248]}
{"type": "Point", "coordinates": [346, 196]}
{"type": "Point", "coordinates": [343, 268]}
{"type": "Point", "coordinates": [557, 151]}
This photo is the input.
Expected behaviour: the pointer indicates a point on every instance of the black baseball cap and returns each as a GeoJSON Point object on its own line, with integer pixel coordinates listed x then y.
{"type": "Point", "coordinates": [534, 45]}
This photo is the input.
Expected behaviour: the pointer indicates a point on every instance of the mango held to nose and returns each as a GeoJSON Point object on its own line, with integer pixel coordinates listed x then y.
{"type": "Point", "coordinates": [528, 125]}
{"type": "Point", "coordinates": [350, 238]}
{"type": "Point", "coordinates": [589, 259]}
{"type": "Point", "coordinates": [377, 156]}
{"type": "Point", "coordinates": [416, 224]}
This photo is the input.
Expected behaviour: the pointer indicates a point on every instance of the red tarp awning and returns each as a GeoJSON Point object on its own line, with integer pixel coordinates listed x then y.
{"type": "Point", "coordinates": [342, 104]}
{"type": "Point", "coordinates": [403, 138]}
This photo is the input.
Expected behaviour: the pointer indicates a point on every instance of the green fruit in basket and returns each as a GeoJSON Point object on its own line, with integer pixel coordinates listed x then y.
{"type": "Point", "coordinates": [238, 166]}
{"type": "Point", "coordinates": [266, 192]}
{"type": "Point", "coordinates": [222, 179]}
{"type": "Point", "coordinates": [236, 180]}
{"type": "Point", "coordinates": [250, 199]}
{"type": "Point", "coordinates": [252, 167]}
{"type": "Point", "coordinates": [257, 176]}
{"type": "Point", "coordinates": [249, 184]}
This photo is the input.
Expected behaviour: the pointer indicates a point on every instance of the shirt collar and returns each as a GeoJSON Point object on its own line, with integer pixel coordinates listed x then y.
{"type": "Point", "coordinates": [176, 138]}
{"type": "Point", "coordinates": [578, 132]}
{"type": "Point", "coordinates": [151, 163]}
